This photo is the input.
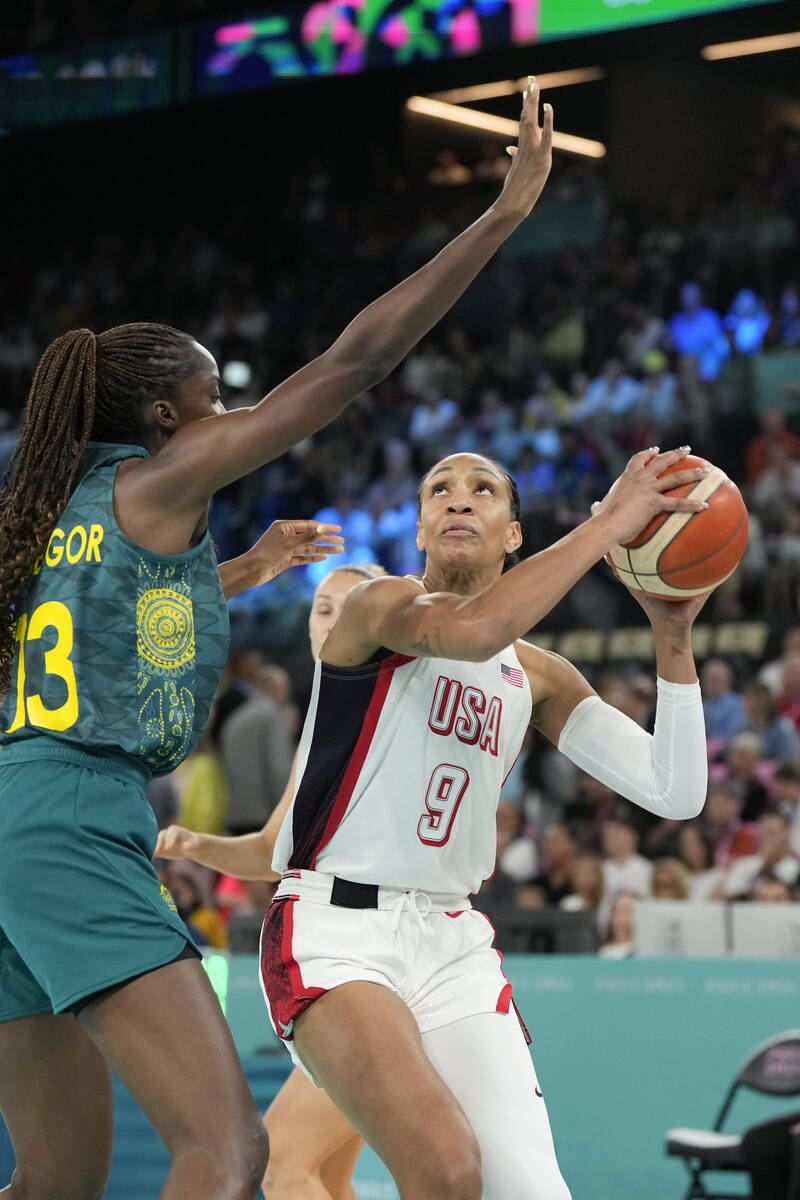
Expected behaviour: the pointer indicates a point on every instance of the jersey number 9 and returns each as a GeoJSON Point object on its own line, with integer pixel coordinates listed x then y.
{"type": "Point", "coordinates": [446, 789]}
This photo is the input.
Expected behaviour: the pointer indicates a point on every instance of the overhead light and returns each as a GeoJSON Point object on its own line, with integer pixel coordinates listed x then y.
{"type": "Point", "coordinates": [507, 87]}
{"type": "Point", "coordinates": [428, 107]}
{"type": "Point", "coordinates": [761, 45]}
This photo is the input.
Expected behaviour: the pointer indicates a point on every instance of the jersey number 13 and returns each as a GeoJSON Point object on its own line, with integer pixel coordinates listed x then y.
{"type": "Point", "coordinates": [31, 626]}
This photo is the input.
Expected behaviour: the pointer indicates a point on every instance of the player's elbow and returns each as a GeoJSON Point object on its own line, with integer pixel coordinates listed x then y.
{"type": "Point", "coordinates": [480, 641]}
{"type": "Point", "coordinates": [694, 806]}
{"type": "Point", "coordinates": [684, 804]}
{"type": "Point", "coordinates": [361, 366]}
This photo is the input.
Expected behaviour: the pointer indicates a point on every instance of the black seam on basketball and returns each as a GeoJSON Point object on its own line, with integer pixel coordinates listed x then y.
{"type": "Point", "coordinates": [680, 531]}
{"type": "Point", "coordinates": [633, 573]}
{"type": "Point", "coordinates": [699, 561]}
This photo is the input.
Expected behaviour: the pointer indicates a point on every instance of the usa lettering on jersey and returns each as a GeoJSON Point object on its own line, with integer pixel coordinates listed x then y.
{"type": "Point", "coordinates": [464, 711]}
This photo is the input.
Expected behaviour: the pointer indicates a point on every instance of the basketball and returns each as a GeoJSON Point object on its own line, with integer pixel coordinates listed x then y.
{"type": "Point", "coordinates": [678, 555]}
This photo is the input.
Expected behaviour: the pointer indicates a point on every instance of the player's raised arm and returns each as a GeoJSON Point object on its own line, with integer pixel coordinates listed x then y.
{"type": "Point", "coordinates": [206, 455]}
{"type": "Point", "coordinates": [246, 857]}
{"type": "Point", "coordinates": [665, 773]}
{"type": "Point", "coordinates": [393, 613]}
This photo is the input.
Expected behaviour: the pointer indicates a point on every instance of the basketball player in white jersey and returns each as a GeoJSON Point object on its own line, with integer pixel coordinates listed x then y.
{"type": "Point", "coordinates": [378, 975]}
{"type": "Point", "coordinates": [313, 1147]}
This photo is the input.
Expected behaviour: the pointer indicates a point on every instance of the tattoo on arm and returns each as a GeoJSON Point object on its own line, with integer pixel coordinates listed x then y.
{"type": "Point", "coordinates": [423, 647]}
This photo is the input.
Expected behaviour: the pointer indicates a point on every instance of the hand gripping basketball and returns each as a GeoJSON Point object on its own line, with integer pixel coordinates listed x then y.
{"type": "Point", "coordinates": [638, 494]}
{"type": "Point", "coordinates": [685, 549]}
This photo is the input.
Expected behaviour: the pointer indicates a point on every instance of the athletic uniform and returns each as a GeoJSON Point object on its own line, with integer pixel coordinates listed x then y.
{"type": "Point", "coordinates": [119, 654]}
{"type": "Point", "coordinates": [391, 827]}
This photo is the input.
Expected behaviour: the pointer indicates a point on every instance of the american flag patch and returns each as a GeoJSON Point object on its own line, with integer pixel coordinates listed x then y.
{"type": "Point", "coordinates": [512, 675]}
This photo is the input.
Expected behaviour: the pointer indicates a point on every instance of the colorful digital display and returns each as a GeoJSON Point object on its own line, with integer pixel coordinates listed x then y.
{"type": "Point", "coordinates": [330, 37]}
{"type": "Point", "coordinates": [339, 37]}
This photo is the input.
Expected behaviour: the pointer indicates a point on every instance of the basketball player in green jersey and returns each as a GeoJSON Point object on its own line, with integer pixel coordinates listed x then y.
{"type": "Point", "coordinates": [112, 641]}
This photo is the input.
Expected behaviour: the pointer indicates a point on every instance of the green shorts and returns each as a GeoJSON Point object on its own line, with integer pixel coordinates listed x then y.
{"type": "Point", "coordinates": [81, 906]}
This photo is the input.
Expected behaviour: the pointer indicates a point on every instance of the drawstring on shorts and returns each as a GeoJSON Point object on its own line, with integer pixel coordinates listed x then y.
{"type": "Point", "coordinates": [411, 901]}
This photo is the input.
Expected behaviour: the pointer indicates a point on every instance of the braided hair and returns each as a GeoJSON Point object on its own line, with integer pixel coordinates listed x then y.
{"type": "Point", "coordinates": [511, 559]}
{"type": "Point", "coordinates": [86, 387]}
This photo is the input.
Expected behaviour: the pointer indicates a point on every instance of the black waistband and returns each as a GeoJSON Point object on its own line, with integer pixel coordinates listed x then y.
{"type": "Point", "coordinates": [347, 894]}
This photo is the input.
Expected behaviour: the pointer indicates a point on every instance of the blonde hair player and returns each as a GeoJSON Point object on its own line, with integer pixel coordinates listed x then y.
{"type": "Point", "coordinates": [313, 1148]}
{"type": "Point", "coordinates": [379, 976]}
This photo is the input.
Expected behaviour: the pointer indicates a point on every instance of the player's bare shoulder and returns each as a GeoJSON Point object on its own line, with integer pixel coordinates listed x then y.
{"type": "Point", "coordinates": [354, 639]}
{"type": "Point", "coordinates": [556, 687]}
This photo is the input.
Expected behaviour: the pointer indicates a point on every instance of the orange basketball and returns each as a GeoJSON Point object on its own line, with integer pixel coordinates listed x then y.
{"type": "Point", "coordinates": [684, 554]}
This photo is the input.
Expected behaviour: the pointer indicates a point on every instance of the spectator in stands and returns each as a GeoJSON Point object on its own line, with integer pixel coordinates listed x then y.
{"type": "Point", "coordinates": [771, 890]}
{"type": "Point", "coordinates": [517, 857]}
{"type": "Point", "coordinates": [697, 332]}
{"type": "Point", "coordinates": [722, 818]}
{"type": "Point", "coordinates": [257, 753]}
{"type": "Point", "coordinates": [774, 857]}
{"type": "Point", "coordinates": [448, 171]}
{"type": "Point", "coordinates": [588, 809]}
{"type": "Point", "coordinates": [670, 880]}
{"type": "Point", "coordinates": [747, 322]}
{"type": "Point", "coordinates": [163, 799]}
{"type": "Point", "coordinates": [723, 707]}
{"type": "Point", "coordinates": [555, 881]}
{"type": "Point", "coordinates": [639, 700]}
{"type": "Point", "coordinates": [773, 432]}
{"type": "Point", "coordinates": [624, 869]}
{"type": "Point", "coordinates": [609, 398]}
{"type": "Point", "coordinates": [659, 406]}
{"type": "Point", "coordinates": [203, 788]}
{"type": "Point", "coordinates": [242, 668]}
{"type": "Point", "coordinates": [587, 885]}
{"type": "Point", "coordinates": [643, 336]}
{"type": "Point", "coordinates": [776, 487]}
{"type": "Point", "coordinates": [772, 672]}
{"type": "Point", "coordinates": [789, 317]}
{"type": "Point", "coordinates": [744, 759]}
{"type": "Point", "coordinates": [696, 853]}
{"type": "Point", "coordinates": [786, 782]}
{"type": "Point", "coordinates": [785, 574]}
{"type": "Point", "coordinates": [790, 689]}
{"type": "Point", "coordinates": [779, 737]}
{"type": "Point", "coordinates": [536, 480]}
{"type": "Point", "coordinates": [432, 416]}
{"type": "Point", "coordinates": [620, 941]}
{"type": "Point", "coordinates": [204, 922]}
{"type": "Point", "coordinates": [493, 165]}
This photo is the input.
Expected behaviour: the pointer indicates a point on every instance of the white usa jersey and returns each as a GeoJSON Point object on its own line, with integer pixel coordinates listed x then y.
{"type": "Point", "coordinates": [399, 771]}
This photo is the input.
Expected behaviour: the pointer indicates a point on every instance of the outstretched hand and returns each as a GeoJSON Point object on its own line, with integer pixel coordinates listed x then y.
{"type": "Point", "coordinates": [292, 544]}
{"type": "Point", "coordinates": [173, 842]}
{"type": "Point", "coordinates": [533, 156]}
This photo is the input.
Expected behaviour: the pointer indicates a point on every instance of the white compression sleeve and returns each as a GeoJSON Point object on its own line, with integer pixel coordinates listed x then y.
{"type": "Point", "coordinates": [665, 773]}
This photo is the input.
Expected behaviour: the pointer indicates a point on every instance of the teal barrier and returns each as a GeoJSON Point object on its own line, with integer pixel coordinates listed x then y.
{"type": "Point", "coordinates": [624, 1050]}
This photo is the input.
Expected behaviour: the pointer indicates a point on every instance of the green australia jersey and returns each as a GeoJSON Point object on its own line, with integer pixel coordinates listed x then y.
{"type": "Point", "coordinates": [118, 648]}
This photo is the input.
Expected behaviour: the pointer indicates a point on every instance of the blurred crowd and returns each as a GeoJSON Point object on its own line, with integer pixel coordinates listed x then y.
{"type": "Point", "coordinates": [561, 361]}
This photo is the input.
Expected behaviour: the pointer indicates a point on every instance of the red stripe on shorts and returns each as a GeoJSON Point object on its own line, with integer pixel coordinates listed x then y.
{"type": "Point", "coordinates": [281, 976]}
{"type": "Point", "coordinates": [357, 758]}
{"type": "Point", "coordinates": [505, 998]}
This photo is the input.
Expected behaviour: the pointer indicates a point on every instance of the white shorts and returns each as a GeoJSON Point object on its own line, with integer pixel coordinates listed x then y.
{"type": "Point", "coordinates": [434, 951]}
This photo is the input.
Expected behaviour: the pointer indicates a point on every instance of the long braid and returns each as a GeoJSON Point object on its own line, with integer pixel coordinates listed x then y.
{"type": "Point", "coordinates": [41, 473]}
{"type": "Point", "coordinates": [85, 387]}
